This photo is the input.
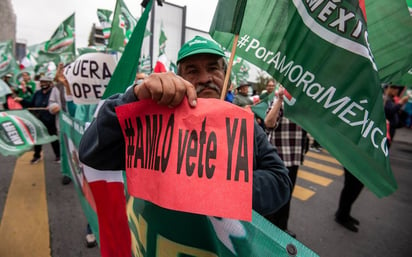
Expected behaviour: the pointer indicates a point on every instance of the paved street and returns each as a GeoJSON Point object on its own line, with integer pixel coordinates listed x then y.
{"type": "Point", "coordinates": [385, 228]}
{"type": "Point", "coordinates": [385, 224]}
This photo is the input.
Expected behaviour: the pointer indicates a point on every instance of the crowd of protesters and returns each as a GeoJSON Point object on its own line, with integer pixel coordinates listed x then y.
{"type": "Point", "coordinates": [45, 95]}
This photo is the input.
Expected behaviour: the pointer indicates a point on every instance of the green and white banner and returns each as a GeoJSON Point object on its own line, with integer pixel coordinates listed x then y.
{"type": "Point", "coordinates": [122, 26]}
{"type": "Point", "coordinates": [71, 131]}
{"type": "Point", "coordinates": [104, 18]}
{"type": "Point", "coordinates": [125, 72]}
{"type": "Point", "coordinates": [34, 50]}
{"type": "Point", "coordinates": [240, 70]}
{"type": "Point", "coordinates": [4, 90]}
{"type": "Point", "coordinates": [7, 61]}
{"type": "Point", "coordinates": [161, 232]}
{"type": "Point", "coordinates": [20, 131]}
{"type": "Point", "coordinates": [319, 51]}
{"type": "Point", "coordinates": [62, 40]}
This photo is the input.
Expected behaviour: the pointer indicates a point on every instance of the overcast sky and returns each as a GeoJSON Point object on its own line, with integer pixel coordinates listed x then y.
{"type": "Point", "coordinates": [38, 19]}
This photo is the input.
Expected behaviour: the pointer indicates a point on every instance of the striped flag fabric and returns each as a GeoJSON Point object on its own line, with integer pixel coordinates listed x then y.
{"type": "Point", "coordinates": [105, 21]}
{"type": "Point", "coordinates": [162, 63]}
{"type": "Point", "coordinates": [101, 193]}
{"type": "Point", "coordinates": [63, 38]}
{"type": "Point", "coordinates": [20, 131]}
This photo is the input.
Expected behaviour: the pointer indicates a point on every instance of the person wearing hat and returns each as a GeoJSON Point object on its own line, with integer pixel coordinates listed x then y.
{"type": "Point", "coordinates": [201, 69]}
{"type": "Point", "coordinates": [26, 77]}
{"type": "Point", "coordinates": [40, 101]}
{"type": "Point", "coordinates": [8, 78]}
{"type": "Point", "coordinates": [11, 103]}
{"type": "Point", "coordinates": [242, 98]}
{"type": "Point", "coordinates": [26, 87]}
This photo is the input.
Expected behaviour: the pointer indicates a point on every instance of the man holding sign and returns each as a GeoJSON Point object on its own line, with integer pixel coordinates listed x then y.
{"type": "Point", "coordinates": [202, 68]}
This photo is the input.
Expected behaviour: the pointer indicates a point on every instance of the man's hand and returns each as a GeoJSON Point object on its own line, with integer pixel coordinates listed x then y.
{"type": "Point", "coordinates": [18, 99]}
{"type": "Point", "coordinates": [281, 92]}
{"type": "Point", "coordinates": [404, 100]}
{"type": "Point", "coordinates": [166, 89]}
{"type": "Point", "coordinates": [54, 108]}
{"type": "Point", "coordinates": [62, 79]}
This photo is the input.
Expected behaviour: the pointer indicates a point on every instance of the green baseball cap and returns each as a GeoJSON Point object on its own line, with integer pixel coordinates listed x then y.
{"type": "Point", "coordinates": [199, 45]}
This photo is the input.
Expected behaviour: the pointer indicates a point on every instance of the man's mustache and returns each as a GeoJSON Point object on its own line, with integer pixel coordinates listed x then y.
{"type": "Point", "coordinates": [201, 87]}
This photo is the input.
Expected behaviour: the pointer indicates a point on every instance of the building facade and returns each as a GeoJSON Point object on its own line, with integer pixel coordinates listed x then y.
{"type": "Point", "coordinates": [7, 21]}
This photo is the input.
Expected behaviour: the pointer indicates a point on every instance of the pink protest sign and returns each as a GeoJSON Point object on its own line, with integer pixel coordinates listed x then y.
{"type": "Point", "coordinates": [197, 160]}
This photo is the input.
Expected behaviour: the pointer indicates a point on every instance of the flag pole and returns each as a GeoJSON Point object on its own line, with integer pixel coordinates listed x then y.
{"type": "Point", "coordinates": [229, 67]}
{"type": "Point", "coordinates": [37, 108]}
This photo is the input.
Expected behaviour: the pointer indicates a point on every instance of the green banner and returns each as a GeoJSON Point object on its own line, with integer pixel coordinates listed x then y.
{"type": "Point", "coordinates": [390, 37]}
{"type": "Point", "coordinates": [160, 232]}
{"type": "Point", "coordinates": [162, 40]}
{"type": "Point", "coordinates": [4, 89]}
{"type": "Point", "coordinates": [7, 61]}
{"type": "Point", "coordinates": [62, 40]}
{"type": "Point", "coordinates": [34, 50]}
{"type": "Point", "coordinates": [125, 72]}
{"type": "Point", "coordinates": [322, 57]}
{"type": "Point", "coordinates": [240, 71]}
{"type": "Point", "coordinates": [71, 131]}
{"type": "Point", "coordinates": [20, 131]}
{"type": "Point", "coordinates": [105, 21]}
{"type": "Point", "coordinates": [122, 27]}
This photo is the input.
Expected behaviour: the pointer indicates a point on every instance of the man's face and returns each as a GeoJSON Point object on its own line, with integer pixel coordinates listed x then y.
{"type": "Point", "coordinates": [205, 72]}
{"type": "Point", "coordinates": [243, 90]}
{"type": "Point", "coordinates": [393, 91]}
{"type": "Point", "coordinates": [270, 86]}
{"type": "Point", "coordinates": [45, 85]}
{"type": "Point", "coordinates": [26, 77]}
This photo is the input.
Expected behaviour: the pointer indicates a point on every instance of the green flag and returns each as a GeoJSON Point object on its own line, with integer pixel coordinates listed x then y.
{"type": "Point", "coordinates": [169, 231]}
{"type": "Point", "coordinates": [260, 108]}
{"type": "Point", "coordinates": [162, 63]}
{"type": "Point", "coordinates": [36, 48]}
{"type": "Point", "coordinates": [122, 27]}
{"type": "Point", "coordinates": [390, 37]}
{"type": "Point", "coordinates": [7, 61]}
{"type": "Point", "coordinates": [173, 67]}
{"type": "Point", "coordinates": [19, 131]}
{"type": "Point", "coordinates": [104, 19]}
{"type": "Point", "coordinates": [162, 40]}
{"type": "Point", "coordinates": [240, 70]}
{"type": "Point", "coordinates": [71, 131]}
{"type": "Point", "coordinates": [62, 39]}
{"type": "Point", "coordinates": [4, 90]}
{"type": "Point", "coordinates": [45, 60]}
{"type": "Point", "coordinates": [232, 21]}
{"type": "Point", "coordinates": [145, 64]}
{"type": "Point", "coordinates": [92, 49]}
{"type": "Point", "coordinates": [34, 51]}
{"type": "Point", "coordinates": [125, 72]}
{"type": "Point", "coordinates": [324, 61]}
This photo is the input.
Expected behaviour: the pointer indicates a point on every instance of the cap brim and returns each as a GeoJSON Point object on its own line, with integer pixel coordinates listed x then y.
{"type": "Point", "coordinates": [201, 51]}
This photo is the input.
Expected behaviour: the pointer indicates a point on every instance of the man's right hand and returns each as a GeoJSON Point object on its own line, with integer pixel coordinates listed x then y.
{"type": "Point", "coordinates": [166, 89]}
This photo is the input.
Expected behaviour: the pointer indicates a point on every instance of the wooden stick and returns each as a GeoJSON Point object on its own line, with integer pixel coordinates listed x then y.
{"type": "Point", "coordinates": [229, 67]}
{"type": "Point", "coordinates": [37, 108]}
